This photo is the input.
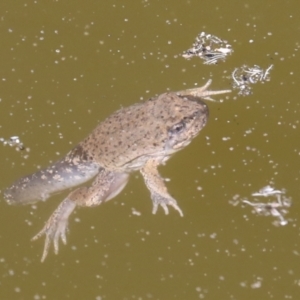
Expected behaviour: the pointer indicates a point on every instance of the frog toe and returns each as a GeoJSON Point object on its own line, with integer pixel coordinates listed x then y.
{"type": "Point", "coordinates": [56, 227]}
{"type": "Point", "coordinates": [164, 203]}
{"type": "Point", "coordinates": [52, 232]}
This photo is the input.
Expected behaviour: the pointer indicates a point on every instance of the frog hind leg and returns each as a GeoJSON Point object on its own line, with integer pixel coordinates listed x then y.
{"type": "Point", "coordinates": [157, 188]}
{"type": "Point", "coordinates": [57, 177]}
{"type": "Point", "coordinates": [105, 186]}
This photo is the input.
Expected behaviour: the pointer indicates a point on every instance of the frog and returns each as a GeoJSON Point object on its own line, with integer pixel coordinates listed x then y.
{"type": "Point", "coordinates": [140, 137]}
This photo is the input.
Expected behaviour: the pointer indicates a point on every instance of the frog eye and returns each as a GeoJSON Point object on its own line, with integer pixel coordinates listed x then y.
{"type": "Point", "coordinates": [177, 128]}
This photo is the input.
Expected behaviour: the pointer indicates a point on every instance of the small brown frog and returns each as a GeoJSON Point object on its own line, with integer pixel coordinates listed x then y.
{"type": "Point", "coordinates": [139, 137]}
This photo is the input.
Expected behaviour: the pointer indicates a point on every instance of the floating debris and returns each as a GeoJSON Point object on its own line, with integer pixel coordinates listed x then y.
{"type": "Point", "coordinates": [210, 48]}
{"type": "Point", "coordinates": [13, 141]}
{"type": "Point", "coordinates": [244, 76]}
{"type": "Point", "coordinates": [267, 191]}
{"type": "Point", "coordinates": [277, 208]}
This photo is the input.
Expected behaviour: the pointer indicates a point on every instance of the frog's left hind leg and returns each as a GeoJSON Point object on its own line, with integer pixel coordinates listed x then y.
{"type": "Point", "coordinates": [105, 186]}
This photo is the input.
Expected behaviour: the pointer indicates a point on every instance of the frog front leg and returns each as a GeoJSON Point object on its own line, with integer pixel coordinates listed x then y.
{"type": "Point", "coordinates": [157, 188]}
{"type": "Point", "coordinates": [105, 186]}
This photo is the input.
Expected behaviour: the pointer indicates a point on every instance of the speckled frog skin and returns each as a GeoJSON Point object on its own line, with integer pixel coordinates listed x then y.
{"type": "Point", "coordinates": [139, 137]}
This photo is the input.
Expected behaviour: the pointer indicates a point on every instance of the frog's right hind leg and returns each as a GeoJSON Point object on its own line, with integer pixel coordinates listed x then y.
{"type": "Point", "coordinates": [105, 186]}
{"type": "Point", "coordinates": [61, 175]}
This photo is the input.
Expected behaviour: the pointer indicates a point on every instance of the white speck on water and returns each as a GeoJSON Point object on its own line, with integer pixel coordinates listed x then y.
{"type": "Point", "coordinates": [11, 272]}
{"type": "Point", "coordinates": [235, 241]}
{"type": "Point", "coordinates": [257, 284]}
{"type": "Point", "coordinates": [213, 235]}
{"type": "Point", "coordinates": [135, 212]}
{"type": "Point", "coordinates": [248, 131]}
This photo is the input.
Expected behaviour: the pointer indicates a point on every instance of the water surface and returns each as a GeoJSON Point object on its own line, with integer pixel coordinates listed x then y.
{"type": "Point", "coordinates": [66, 67]}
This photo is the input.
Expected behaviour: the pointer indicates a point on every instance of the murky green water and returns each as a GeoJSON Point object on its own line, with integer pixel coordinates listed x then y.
{"type": "Point", "coordinates": [65, 66]}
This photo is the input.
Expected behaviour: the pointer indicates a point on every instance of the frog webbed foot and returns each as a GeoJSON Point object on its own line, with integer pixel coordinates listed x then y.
{"type": "Point", "coordinates": [56, 227]}
{"type": "Point", "coordinates": [164, 202]}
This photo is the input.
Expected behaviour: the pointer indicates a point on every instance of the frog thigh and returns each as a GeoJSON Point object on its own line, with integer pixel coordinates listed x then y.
{"type": "Point", "coordinates": [105, 186]}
